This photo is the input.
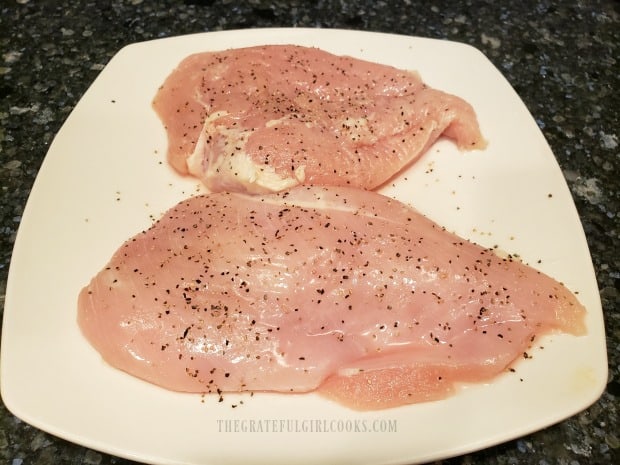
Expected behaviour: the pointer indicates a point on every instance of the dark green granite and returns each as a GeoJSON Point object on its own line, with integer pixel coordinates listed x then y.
{"type": "Point", "coordinates": [561, 57]}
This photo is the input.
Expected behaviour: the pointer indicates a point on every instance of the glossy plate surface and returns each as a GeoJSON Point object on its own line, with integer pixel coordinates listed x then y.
{"type": "Point", "coordinates": [105, 178]}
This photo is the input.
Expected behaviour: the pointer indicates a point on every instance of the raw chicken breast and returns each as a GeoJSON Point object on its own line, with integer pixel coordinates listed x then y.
{"type": "Point", "coordinates": [264, 119]}
{"type": "Point", "coordinates": [339, 290]}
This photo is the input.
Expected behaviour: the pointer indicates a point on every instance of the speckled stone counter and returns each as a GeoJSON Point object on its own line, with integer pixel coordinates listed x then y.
{"type": "Point", "coordinates": [560, 56]}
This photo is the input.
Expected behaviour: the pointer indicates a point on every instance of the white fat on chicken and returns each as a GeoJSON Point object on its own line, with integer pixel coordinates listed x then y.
{"type": "Point", "coordinates": [230, 166]}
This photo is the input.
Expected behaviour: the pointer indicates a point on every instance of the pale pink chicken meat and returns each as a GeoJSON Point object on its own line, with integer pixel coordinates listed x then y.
{"type": "Point", "coordinates": [335, 290]}
{"type": "Point", "coordinates": [266, 118]}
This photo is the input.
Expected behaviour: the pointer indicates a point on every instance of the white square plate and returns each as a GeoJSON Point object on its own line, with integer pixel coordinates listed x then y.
{"type": "Point", "coordinates": [105, 178]}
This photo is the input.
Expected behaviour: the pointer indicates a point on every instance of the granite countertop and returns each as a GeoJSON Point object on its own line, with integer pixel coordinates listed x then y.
{"type": "Point", "coordinates": [560, 56]}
